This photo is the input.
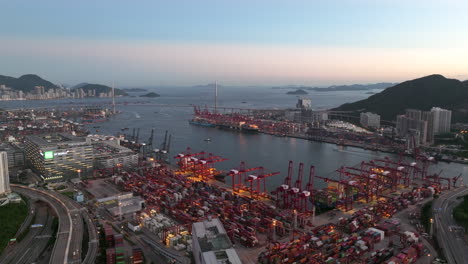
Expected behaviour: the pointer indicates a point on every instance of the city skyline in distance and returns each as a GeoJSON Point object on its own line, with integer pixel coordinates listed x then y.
{"type": "Point", "coordinates": [263, 43]}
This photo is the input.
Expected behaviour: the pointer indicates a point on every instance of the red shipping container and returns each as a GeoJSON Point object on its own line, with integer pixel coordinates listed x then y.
{"type": "Point", "coordinates": [110, 256]}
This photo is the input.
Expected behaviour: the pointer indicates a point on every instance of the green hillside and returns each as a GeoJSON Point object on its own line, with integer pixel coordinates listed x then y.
{"type": "Point", "coordinates": [26, 82]}
{"type": "Point", "coordinates": [422, 93]}
{"type": "Point", "coordinates": [102, 89]}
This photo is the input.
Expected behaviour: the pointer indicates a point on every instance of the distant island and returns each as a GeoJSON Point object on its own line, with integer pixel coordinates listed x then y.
{"type": "Point", "coordinates": [353, 87]}
{"type": "Point", "coordinates": [298, 92]}
{"type": "Point", "coordinates": [423, 93]}
{"type": "Point", "coordinates": [150, 95]}
{"type": "Point", "coordinates": [135, 90]}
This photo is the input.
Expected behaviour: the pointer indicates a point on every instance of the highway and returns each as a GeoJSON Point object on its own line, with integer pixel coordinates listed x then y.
{"type": "Point", "coordinates": [30, 248]}
{"type": "Point", "coordinates": [67, 247]}
{"type": "Point", "coordinates": [450, 240]}
{"type": "Point", "coordinates": [65, 228]}
{"type": "Point", "coordinates": [80, 214]}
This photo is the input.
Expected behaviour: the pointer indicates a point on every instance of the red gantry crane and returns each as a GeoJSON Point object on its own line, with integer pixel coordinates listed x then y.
{"type": "Point", "coordinates": [347, 193]}
{"type": "Point", "coordinates": [238, 176]}
{"type": "Point", "coordinates": [186, 159]}
{"type": "Point", "coordinates": [308, 194]}
{"type": "Point", "coordinates": [395, 175]}
{"type": "Point", "coordinates": [203, 167]}
{"type": "Point", "coordinates": [371, 184]}
{"type": "Point", "coordinates": [282, 191]}
{"type": "Point", "coordinates": [294, 197]}
{"type": "Point", "coordinates": [411, 168]}
{"type": "Point", "coordinates": [258, 183]}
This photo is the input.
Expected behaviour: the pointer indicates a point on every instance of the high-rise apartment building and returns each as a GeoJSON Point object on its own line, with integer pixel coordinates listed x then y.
{"type": "Point", "coordinates": [442, 120]}
{"type": "Point", "coordinates": [370, 120]}
{"type": "Point", "coordinates": [4, 175]}
{"type": "Point", "coordinates": [427, 123]}
{"type": "Point", "coordinates": [406, 127]}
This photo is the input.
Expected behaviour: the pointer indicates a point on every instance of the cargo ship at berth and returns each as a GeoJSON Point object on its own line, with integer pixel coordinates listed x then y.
{"type": "Point", "coordinates": [249, 128]}
{"type": "Point", "coordinates": [201, 122]}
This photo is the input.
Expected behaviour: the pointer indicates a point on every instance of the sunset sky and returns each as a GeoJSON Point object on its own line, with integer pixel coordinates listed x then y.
{"type": "Point", "coordinates": [242, 42]}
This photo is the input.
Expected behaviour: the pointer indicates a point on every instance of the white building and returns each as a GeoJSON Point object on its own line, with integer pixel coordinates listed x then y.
{"type": "Point", "coordinates": [4, 175]}
{"type": "Point", "coordinates": [304, 103]}
{"type": "Point", "coordinates": [370, 120]}
{"type": "Point", "coordinates": [441, 120]}
{"type": "Point", "coordinates": [211, 245]}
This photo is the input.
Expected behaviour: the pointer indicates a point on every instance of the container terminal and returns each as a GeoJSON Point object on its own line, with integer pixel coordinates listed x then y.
{"type": "Point", "coordinates": [355, 218]}
{"type": "Point", "coordinates": [357, 214]}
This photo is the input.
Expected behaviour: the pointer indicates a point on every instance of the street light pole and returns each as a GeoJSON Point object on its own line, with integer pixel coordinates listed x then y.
{"type": "Point", "coordinates": [431, 228]}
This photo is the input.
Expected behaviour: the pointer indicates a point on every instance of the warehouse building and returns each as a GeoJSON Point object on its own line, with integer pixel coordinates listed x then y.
{"type": "Point", "coordinates": [211, 244]}
{"type": "Point", "coordinates": [59, 157]}
{"type": "Point", "coordinates": [110, 155]}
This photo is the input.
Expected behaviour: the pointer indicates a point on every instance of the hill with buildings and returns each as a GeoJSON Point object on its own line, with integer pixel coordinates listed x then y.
{"type": "Point", "coordinates": [26, 83]}
{"type": "Point", "coordinates": [99, 88]}
{"type": "Point", "coordinates": [423, 94]}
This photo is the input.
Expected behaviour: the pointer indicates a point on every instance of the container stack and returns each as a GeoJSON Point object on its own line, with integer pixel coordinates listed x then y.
{"type": "Point", "coordinates": [110, 256]}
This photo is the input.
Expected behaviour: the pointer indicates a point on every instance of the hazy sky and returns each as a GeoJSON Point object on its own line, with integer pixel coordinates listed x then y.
{"type": "Point", "coordinates": [237, 42]}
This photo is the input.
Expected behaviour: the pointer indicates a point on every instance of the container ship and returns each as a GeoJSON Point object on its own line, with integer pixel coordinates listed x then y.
{"type": "Point", "coordinates": [201, 122]}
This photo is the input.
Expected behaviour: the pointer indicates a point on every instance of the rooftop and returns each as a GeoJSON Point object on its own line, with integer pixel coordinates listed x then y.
{"type": "Point", "coordinates": [214, 242]}
{"type": "Point", "coordinates": [53, 139]}
{"type": "Point", "coordinates": [211, 235]}
{"type": "Point", "coordinates": [105, 147]}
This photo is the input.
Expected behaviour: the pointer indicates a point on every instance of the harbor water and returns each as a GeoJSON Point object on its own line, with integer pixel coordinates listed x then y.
{"type": "Point", "coordinates": [173, 109]}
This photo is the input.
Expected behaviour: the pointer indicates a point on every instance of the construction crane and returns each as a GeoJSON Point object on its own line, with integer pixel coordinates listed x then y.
{"type": "Point", "coordinates": [455, 180]}
{"type": "Point", "coordinates": [151, 139]}
{"type": "Point", "coordinates": [435, 178]}
{"type": "Point", "coordinates": [137, 136]}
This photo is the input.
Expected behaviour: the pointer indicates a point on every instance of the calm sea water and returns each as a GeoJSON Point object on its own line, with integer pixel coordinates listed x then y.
{"type": "Point", "coordinates": [172, 111]}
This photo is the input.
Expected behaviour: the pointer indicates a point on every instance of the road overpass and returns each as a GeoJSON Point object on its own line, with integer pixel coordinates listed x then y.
{"type": "Point", "coordinates": [450, 239]}
{"type": "Point", "coordinates": [61, 247]}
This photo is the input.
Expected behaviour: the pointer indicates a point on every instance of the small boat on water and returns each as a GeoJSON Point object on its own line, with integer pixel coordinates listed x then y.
{"type": "Point", "coordinates": [207, 139]}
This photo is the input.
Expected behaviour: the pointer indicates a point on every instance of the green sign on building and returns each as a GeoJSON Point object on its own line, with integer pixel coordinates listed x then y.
{"type": "Point", "coordinates": [48, 155]}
